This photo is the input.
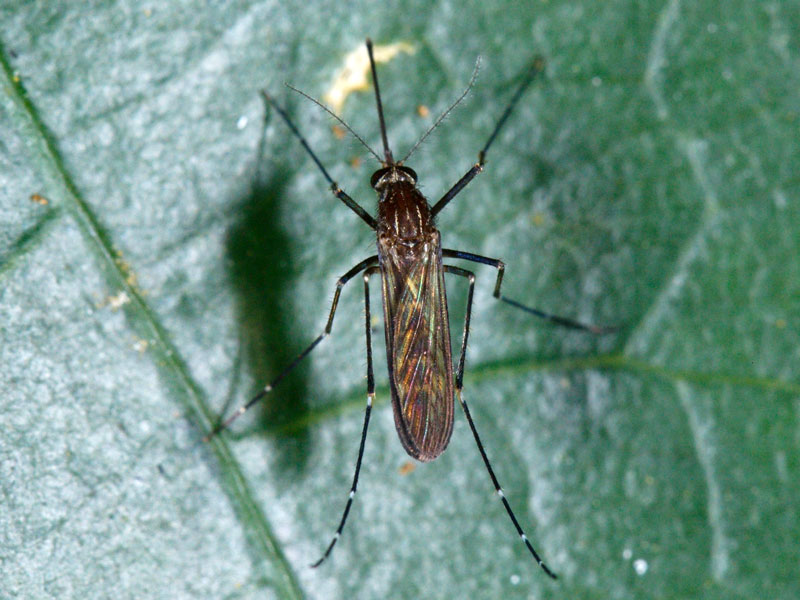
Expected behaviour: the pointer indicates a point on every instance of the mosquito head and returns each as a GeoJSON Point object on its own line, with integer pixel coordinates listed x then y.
{"type": "Point", "coordinates": [394, 173]}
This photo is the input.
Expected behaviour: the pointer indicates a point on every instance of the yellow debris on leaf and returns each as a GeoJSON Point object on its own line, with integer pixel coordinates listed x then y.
{"type": "Point", "coordinates": [353, 75]}
{"type": "Point", "coordinates": [407, 467]}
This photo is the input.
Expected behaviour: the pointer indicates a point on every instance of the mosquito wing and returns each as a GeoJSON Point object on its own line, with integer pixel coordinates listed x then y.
{"type": "Point", "coordinates": [418, 347]}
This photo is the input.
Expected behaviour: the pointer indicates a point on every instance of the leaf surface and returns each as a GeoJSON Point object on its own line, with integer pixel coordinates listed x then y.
{"type": "Point", "coordinates": [165, 250]}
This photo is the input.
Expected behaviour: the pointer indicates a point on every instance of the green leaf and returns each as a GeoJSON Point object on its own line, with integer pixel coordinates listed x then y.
{"type": "Point", "coordinates": [188, 250]}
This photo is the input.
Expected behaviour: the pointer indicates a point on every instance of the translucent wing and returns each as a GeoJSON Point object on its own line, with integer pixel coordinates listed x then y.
{"type": "Point", "coordinates": [418, 347]}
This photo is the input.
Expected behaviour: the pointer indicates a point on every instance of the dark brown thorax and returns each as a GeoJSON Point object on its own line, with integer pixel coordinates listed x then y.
{"type": "Point", "coordinates": [404, 216]}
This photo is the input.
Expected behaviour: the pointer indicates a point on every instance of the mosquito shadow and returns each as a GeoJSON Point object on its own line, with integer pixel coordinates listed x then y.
{"type": "Point", "coordinates": [257, 249]}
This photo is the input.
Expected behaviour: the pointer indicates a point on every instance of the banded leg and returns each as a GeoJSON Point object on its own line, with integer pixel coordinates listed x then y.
{"type": "Point", "coordinates": [364, 264]}
{"type": "Point", "coordinates": [537, 67]}
{"type": "Point", "coordinates": [370, 397]}
{"type": "Point", "coordinates": [501, 267]}
{"type": "Point", "coordinates": [459, 385]}
{"type": "Point", "coordinates": [335, 189]}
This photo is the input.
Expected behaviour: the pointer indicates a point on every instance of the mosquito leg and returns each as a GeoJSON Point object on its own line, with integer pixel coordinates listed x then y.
{"type": "Point", "coordinates": [500, 266]}
{"type": "Point", "coordinates": [337, 191]}
{"type": "Point", "coordinates": [364, 264]}
{"type": "Point", "coordinates": [499, 489]}
{"type": "Point", "coordinates": [459, 385]}
{"type": "Point", "coordinates": [537, 67]}
{"type": "Point", "coordinates": [470, 276]}
{"type": "Point", "coordinates": [370, 396]}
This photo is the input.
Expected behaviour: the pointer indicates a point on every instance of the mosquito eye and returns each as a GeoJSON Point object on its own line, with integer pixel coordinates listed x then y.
{"type": "Point", "coordinates": [410, 172]}
{"type": "Point", "coordinates": [376, 176]}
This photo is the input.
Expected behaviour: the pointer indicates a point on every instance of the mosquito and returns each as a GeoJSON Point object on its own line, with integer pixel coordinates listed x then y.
{"type": "Point", "coordinates": [410, 264]}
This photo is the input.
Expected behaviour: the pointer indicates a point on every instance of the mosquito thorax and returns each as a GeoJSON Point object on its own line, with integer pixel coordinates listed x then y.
{"type": "Point", "coordinates": [404, 215]}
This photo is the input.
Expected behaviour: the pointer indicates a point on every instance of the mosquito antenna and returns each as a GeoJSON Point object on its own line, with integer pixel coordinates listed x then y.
{"type": "Point", "coordinates": [447, 112]}
{"type": "Point", "coordinates": [386, 152]}
{"type": "Point", "coordinates": [337, 117]}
